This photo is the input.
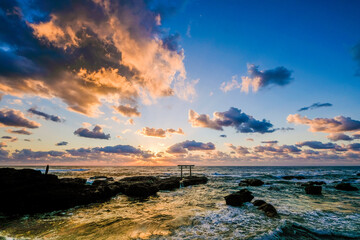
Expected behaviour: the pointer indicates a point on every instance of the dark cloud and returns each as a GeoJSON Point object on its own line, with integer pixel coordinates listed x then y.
{"type": "Point", "coordinates": [15, 118]}
{"type": "Point", "coordinates": [320, 145]}
{"type": "Point", "coordinates": [354, 147]}
{"type": "Point", "coordinates": [339, 137]}
{"type": "Point", "coordinates": [260, 79]}
{"type": "Point", "coordinates": [83, 51]}
{"type": "Point", "coordinates": [184, 147]}
{"type": "Point", "coordinates": [329, 125]}
{"type": "Point", "coordinates": [45, 115]}
{"type": "Point", "coordinates": [270, 142]}
{"type": "Point", "coordinates": [223, 136]}
{"type": "Point", "coordinates": [12, 139]}
{"type": "Point", "coordinates": [125, 150]}
{"type": "Point", "coordinates": [30, 154]}
{"type": "Point", "coordinates": [120, 149]}
{"type": "Point", "coordinates": [21, 131]}
{"type": "Point", "coordinates": [314, 106]}
{"type": "Point", "coordinates": [63, 143]}
{"type": "Point", "coordinates": [97, 132]}
{"type": "Point", "coordinates": [277, 149]}
{"type": "Point", "coordinates": [232, 118]}
{"type": "Point", "coordinates": [128, 111]}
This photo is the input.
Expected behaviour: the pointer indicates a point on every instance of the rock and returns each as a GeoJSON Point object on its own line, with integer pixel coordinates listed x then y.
{"type": "Point", "coordinates": [251, 182]}
{"type": "Point", "coordinates": [140, 189]}
{"type": "Point", "coordinates": [194, 180]}
{"type": "Point", "coordinates": [169, 183]}
{"type": "Point", "coordinates": [313, 190]}
{"type": "Point", "coordinates": [358, 174]}
{"type": "Point", "coordinates": [258, 202]}
{"type": "Point", "coordinates": [269, 210]}
{"type": "Point", "coordinates": [238, 198]}
{"type": "Point", "coordinates": [140, 179]}
{"type": "Point", "coordinates": [346, 187]}
{"type": "Point", "coordinates": [72, 180]}
{"type": "Point", "coordinates": [293, 177]}
{"type": "Point", "coordinates": [311, 183]}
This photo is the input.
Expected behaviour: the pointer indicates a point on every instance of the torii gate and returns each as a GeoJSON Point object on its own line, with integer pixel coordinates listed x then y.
{"type": "Point", "coordinates": [185, 166]}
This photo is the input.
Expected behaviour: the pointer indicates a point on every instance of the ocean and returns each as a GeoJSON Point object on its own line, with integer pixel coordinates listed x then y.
{"type": "Point", "coordinates": [200, 212]}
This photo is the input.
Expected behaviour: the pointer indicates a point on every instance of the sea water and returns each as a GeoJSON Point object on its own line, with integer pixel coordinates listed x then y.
{"type": "Point", "coordinates": [200, 212]}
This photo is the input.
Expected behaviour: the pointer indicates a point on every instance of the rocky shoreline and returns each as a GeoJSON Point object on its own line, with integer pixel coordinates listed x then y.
{"type": "Point", "coordinates": [28, 191]}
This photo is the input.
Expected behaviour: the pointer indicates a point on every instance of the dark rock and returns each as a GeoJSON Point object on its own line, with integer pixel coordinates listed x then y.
{"type": "Point", "coordinates": [358, 174]}
{"type": "Point", "coordinates": [346, 187]}
{"type": "Point", "coordinates": [169, 183]}
{"type": "Point", "coordinates": [293, 177]}
{"type": "Point", "coordinates": [194, 180]}
{"type": "Point", "coordinates": [140, 179]}
{"type": "Point", "coordinates": [238, 198]}
{"type": "Point", "coordinates": [72, 180]}
{"type": "Point", "coordinates": [311, 183]}
{"type": "Point", "coordinates": [140, 189]}
{"type": "Point", "coordinates": [258, 202]}
{"type": "Point", "coordinates": [251, 182]}
{"type": "Point", "coordinates": [269, 210]}
{"type": "Point", "coordinates": [313, 190]}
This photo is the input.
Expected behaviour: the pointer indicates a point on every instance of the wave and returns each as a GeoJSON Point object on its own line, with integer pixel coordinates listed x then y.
{"type": "Point", "coordinates": [296, 231]}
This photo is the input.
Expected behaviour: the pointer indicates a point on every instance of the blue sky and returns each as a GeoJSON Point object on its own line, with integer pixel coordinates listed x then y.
{"type": "Point", "coordinates": [191, 47]}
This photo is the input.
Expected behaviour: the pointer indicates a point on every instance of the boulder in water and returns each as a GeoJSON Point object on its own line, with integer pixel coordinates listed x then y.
{"type": "Point", "coordinates": [311, 183]}
{"type": "Point", "coordinates": [169, 183]}
{"type": "Point", "coordinates": [269, 210]}
{"type": "Point", "coordinates": [313, 190]}
{"type": "Point", "coordinates": [251, 182]}
{"type": "Point", "coordinates": [238, 198]}
{"type": "Point", "coordinates": [194, 180]}
{"type": "Point", "coordinates": [258, 203]}
{"type": "Point", "coordinates": [346, 187]}
{"type": "Point", "coordinates": [293, 177]}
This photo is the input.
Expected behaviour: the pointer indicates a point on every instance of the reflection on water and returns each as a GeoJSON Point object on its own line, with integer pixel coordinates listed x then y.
{"type": "Point", "coordinates": [199, 212]}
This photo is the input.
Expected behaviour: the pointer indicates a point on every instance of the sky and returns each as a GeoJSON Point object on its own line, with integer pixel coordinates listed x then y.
{"type": "Point", "coordinates": [155, 82]}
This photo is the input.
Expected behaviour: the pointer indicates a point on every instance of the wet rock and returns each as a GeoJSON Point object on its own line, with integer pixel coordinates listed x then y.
{"type": "Point", "coordinates": [313, 190]}
{"type": "Point", "coordinates": [169, 183]}
{"type": "Point", "coordinates": [346, 187]}
{"type": "Point", "coordinates": [194, 180]}
{"type": "Point", "coordinates": [293, 177]}
{"type": "Point", "coordinates": [251, 182]}
{"type": "Point", "coordinates": [28, 191]}
{"type": "Point", "coordinates": [311, 183]}
{"type": "Point", "coordinates": [358, 174]}
{"type": "Point", "coordinates": [72, 180]}
{"type": "Point", "coordinates": [258, 203]}
{"type": "Point", "coordinates": [238, 198]}
{"type": "Point", "coordinates": [140, 179]}
{"type": "Point", "coordinates": [139, 189]}
{"type": "Point", "coordinates": [269, 210]}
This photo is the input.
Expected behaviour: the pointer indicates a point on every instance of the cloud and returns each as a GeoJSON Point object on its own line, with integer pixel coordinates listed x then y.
{"type": "Point", "coordinates": [223, 136]}
{"type": "Point", "coordinates": [29, 154]}
{"type": "Point", "coordinates": [314, 106]}
{"type": "Point", "coordinates": [184, 147]}
{"type": "Point", "coordinates": [11, 139]}
{"type": "Point", "coordinates": [97, 132]}
{"type": "Point", "coordinates": [329, 125]}
{"type": "Point", "coordinates": [21, 131]}
{"type": "Point", "coordinates": [318, 145]}
{"type": "Point", "coordinates": [354, 147]}
{"type": "Point", "coordinates": [160, 133]}
{"type": "Point", "coordinates": [128, 111]}
{"type": "Point", "coordinates": [270, 142]}
{"type": "Point", "coordinates": [85, 52]}
{"type": "Point", "coordinates": [228, 86]}
{"type": "Point", "coordinates": [45, 115]}
{"type": "Point", "coordinates": [250, 139]}
{"type": "Point", "coordinates": [257, 79]}
{"type": "Point", "coordinates": [63, 143]}
{"type": "Point", "coordinates": [339, 137]}
{"type": "Point", "coordinates": [232, 118]}
{"type": "Point", "coordinates": [15, 118]}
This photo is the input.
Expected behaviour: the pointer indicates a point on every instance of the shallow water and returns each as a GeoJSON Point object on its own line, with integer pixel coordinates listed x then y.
{"type": "Point", "coordinates": [199, 212]}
